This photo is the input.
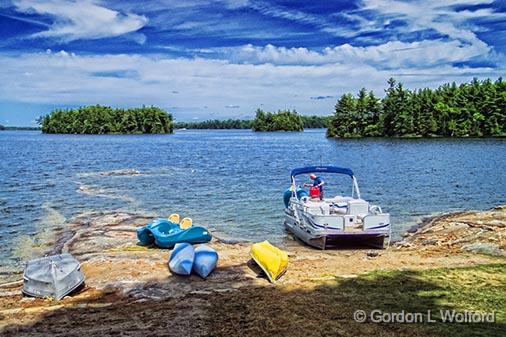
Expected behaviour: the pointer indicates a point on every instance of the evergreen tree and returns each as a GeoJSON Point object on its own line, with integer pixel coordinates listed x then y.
{"type": "Point", "coordinates": [283, 120]}
{"type": "Point", "coordinates": [99, 119]}
{"type": "Point", "coordinates": [472, 109]}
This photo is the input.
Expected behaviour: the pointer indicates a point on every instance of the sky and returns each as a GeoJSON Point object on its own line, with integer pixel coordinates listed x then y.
{"type": "Point", "coordinates": [225, 58]}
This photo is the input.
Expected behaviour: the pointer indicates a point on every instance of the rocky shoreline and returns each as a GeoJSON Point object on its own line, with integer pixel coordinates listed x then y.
{"type": "Point", "coordinates": [131, 289]}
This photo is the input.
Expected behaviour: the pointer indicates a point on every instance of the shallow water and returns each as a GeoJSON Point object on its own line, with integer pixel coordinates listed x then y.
{"type": "Point", "coordinates": [232, 180]}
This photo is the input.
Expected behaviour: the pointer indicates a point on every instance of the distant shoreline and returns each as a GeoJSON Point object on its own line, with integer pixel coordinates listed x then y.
{"type": "Point", "coordinates": [21, 128]}
{"type": "Point", "coordinates": [26, 128]}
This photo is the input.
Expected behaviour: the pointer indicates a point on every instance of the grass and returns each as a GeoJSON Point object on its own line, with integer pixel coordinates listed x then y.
{"type": "Point", "coordinates": [316, 307]}
{"type": "Point", "coordinates": [321, 308]}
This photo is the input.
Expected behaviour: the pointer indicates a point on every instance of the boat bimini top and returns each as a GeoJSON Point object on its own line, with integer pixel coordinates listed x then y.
{"type": "Point", "coordinates": [325, 169]}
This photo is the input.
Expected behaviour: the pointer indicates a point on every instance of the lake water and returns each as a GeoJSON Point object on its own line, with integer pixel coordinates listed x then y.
{"type": "Point", "coordinates": [230, 180]}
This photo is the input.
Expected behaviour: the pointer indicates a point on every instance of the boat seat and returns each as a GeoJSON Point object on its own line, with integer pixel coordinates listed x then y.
{"type": "Point", "coordinates": [338, 208]}
{"type": "Point", "coordinates": [317, 207]}
{"type": "Point", "coordinates": [174, 217]}
{"type": "Point", "coordinates": [338, 199]}
{"type": "Point", "coordinates": [186, 223]}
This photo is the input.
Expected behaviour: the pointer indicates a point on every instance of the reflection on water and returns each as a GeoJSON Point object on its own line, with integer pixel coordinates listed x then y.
{"type": "Point", "coordinates": [231, 180]}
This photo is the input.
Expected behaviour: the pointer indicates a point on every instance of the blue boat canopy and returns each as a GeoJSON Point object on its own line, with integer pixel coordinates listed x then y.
{"type": "Point", "coordinates": [311, 169]}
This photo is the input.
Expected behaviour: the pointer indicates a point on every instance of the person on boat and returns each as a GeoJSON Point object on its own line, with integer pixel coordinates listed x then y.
{"type": "Point", "coordinates": [317, 182]}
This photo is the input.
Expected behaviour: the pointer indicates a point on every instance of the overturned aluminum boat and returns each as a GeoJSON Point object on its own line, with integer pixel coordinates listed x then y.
{"type": "Point", "coordinates": [52, 276]}
{"type": "Point", "coordinates": [335, 221]}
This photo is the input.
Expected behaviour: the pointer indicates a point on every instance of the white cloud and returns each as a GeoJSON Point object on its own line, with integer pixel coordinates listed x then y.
{"type": "Point", "coordinates": [437, 15]}
{"type": "Point", "coordinates": [233, 4]}
{"type": "Point", "coordinates": [390, 55]}
{"type": "Point", "coordinates": [457, 41]}
{"type": "Point", "coordinates": [65, 78]}
{"type": "Point", "coordinates": [375, 16]}
{"type": "Point", "coordinates": [82, 19]}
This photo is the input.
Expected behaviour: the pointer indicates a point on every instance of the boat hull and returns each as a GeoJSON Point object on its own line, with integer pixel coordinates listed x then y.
{"type": "Point", "coordinates": [205, 262]}
{"type": "Point", "coordinates": [272, 260]}
{"type": "Point", "coordinates": [334, 238]}
{"type": "Point", "coordinates": [52, 276]}
{"type": "Point", "coordinates": [182, 258]}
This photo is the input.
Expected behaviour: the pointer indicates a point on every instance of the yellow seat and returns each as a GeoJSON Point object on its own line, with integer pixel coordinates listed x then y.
{"type": "Point", "coordinates": [272, 260]}
{"type": "Point", "coordinates": [186, 223]}
{"type": "Point", "coordinates": [174, 217]}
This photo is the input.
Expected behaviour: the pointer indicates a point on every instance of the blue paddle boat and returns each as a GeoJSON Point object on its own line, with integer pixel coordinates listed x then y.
{"type": "Point", "coordinates": [206, 259]}
{"type": "Point", "coordinates": [166, 234]}
{"type": "Point", "coordinates": [181, 259]}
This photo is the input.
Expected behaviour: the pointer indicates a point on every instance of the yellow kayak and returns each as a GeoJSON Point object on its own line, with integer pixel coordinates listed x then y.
{"type": "Point", "coordinates": [272, 260]}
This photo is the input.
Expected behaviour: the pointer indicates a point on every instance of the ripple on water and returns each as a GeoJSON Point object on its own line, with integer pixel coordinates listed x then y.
{"type": "Point", "coordinates": [112, 173]}
{"type": "Point", "coordinates": [104, 192]}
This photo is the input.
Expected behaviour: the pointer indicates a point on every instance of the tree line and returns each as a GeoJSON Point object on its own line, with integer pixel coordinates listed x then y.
{"type": "Point", "coordinates": [216, 124]}
{"type": "Point", "coordinates": [475, 109]}
{"type": "Point", "coordinates": [316, 122]}
{"type": "Point", "coordinates": [309, 122]}
{"type": "Point", "coordinates": [19, 128]}
{"type": "Point", "coordinates": [99, 119]}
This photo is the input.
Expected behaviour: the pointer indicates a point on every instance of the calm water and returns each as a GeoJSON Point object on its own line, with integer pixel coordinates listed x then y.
{"type": "Point", "coordinates": [232, 180]}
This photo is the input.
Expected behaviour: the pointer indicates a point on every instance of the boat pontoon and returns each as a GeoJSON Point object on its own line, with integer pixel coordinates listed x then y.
{"type": "Point", "coordinates": [335, 221]}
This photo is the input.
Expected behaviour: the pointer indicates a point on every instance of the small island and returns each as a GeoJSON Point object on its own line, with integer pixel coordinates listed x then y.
{"type": "Point", "coordinates": [475, 109]}
{"type": "Point", "coordinates": [283, 120]}
{"type": "Point", "coordinates": [99, 119]}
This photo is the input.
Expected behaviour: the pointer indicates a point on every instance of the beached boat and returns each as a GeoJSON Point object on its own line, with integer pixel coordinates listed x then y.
{"type": "Point", "coordinates": [334, 221]}
{"type": "Point", "coordinates": [206, 259]}
{"type": "Point", "coordinates": [271, 259]}
{"type": "Point", "coordinates": [52, 276]}
{"type": "Point", "coordinates": [181, 259]}
{"type": "Point", "coordinates": [166, 234]}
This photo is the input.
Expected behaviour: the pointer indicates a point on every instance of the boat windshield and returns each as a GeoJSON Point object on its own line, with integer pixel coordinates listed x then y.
{"type": "Point", "coordinates": [336, 180]}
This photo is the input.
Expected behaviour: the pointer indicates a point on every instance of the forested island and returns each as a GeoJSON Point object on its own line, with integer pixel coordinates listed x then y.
{"type": "Point", "coordinates": [99, 119]}
{"type": "Point", "coordinates": [309, 122]}
{"type": "Point", "coordinates": [283, 120]}
{"type": "Point", "coordinates": [475, 109]}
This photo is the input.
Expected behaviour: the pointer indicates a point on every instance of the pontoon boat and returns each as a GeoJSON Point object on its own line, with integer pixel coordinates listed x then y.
{"type": "Point", "coordinates": [334, 221]}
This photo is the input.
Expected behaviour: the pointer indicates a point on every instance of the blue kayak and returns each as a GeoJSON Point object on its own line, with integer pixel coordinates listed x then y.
{"type": "Point", "coordinates": [166, 234]}
{"type": "Point", "coordinates": [181, 259]}
{"type": "Point", "coordinates": [206, 259]}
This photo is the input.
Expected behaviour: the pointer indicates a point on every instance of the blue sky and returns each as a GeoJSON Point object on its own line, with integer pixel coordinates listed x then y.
{"type": "Point", "coordinates": [225, 58]}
